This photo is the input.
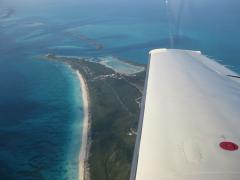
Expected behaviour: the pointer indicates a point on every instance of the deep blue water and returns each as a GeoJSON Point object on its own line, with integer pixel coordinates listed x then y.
{"type": "Point", "coordinates": [40, 103]}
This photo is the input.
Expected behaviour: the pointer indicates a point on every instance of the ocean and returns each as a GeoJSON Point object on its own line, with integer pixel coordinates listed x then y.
{"type": "Point", "coordinates": [40, 101]}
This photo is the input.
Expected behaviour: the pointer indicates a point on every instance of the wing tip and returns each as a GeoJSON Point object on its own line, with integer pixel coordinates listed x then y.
{"type": "Point", "coordinates": [160, 50]}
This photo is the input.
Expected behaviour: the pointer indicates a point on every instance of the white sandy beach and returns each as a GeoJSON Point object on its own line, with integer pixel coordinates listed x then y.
{"type": "Point", "coordinates": [83, 153]}
{"type": "Point", "coordinates": [120, 66]}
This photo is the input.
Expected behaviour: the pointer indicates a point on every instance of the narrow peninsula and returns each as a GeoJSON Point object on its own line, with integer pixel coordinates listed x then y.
{"type": "Point", "coordinates": [114, 106]}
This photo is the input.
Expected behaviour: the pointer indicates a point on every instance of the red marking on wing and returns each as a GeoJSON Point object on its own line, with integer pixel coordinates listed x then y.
{"type": "Point", "coordinates": [229, 146]}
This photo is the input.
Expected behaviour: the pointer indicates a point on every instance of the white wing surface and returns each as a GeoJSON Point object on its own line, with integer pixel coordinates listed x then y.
{"type": "Point", "coordinates": [190, 121]}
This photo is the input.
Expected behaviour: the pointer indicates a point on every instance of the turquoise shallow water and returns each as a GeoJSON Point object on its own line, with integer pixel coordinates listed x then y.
{"type": "Point", "coordinates": [40, 103]}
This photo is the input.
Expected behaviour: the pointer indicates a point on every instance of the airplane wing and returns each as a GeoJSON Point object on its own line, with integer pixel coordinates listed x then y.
{"type": "Point", "coordinates": [189, 125]}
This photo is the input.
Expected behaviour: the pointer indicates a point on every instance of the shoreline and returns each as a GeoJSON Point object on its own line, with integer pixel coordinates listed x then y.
{"type": "Point", "coordinates": [112, 92]}
{"type": "Point", "coordinates": [83, 170]}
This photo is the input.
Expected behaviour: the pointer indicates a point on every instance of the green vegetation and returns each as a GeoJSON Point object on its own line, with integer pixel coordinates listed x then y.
{"type": "Point", "coordinates": [114, 117]}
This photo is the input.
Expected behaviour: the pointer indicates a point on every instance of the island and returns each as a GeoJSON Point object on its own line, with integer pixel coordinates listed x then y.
{"type": "Point", "coordinates": [114, 91]}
